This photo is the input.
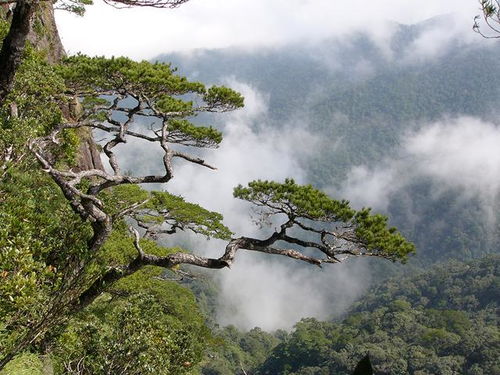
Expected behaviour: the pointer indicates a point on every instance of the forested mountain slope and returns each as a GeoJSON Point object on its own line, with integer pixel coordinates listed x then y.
{"type": "Point", "coordinates": [368, 103]}
{"type": "Point", "coordinates": [443, 321]}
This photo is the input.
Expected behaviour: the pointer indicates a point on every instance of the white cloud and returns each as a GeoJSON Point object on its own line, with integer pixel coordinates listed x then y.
{"type": "Point", "coordinates": [460, 154]}
{"type": "Point", "coordinates": [260, 290]}
{"type": "Point", "coordinates": [463, 154]}
{"type": "Point", "coordinates": [272, 295]}
{"type": "Point", "coordinates": [145, 33]}
{"type": "Point", "coordinates": [438, 38]}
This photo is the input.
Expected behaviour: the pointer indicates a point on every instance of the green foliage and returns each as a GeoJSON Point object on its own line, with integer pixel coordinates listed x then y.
{"type": "Point", "coordinates": [4, 25]}
{"type": "Point", "coordinates": [234, 352]}
{"type": "Point", "coordinates": [24, 364]}
{"type": "Point", "coordinates": [145, 325]}
{"type": "Point", "coordinates": [41, 239]}
{"type": "Point", "coordinates": [189, 215]}
{"type": "Point", "coordinates": [169, 96]}
{"type": "Point", "coordinates": [208, 135]}
{"type": "Point", "coordinates": [123, 196]}
{"type": "Point", "coordinates": [155, 208]}
{"type": "Point", "coordinates": [169, 104]}
{"type": "Point", "coordinates": [119, 250]}
{"type": "Point", "coordinates": [153, 80]}
{"type": "Point", "coordinates": [297, 201]}
{"type": "Point", "coordinates": [470, 287]}
{"type": "Point", "coordinates": [375, 234]}
{"type": "Point", "coordinates": [223, 96]}
{"type": "Point", "coordinates": [37, 94]}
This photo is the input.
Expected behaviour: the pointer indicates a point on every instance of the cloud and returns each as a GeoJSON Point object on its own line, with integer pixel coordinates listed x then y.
{"type": "Point", "coordinates": [277, 294]}
{"type": "Point", "coordinates": [260, 290]}
{"type": "Point", "coordinates": [250, 150]}
{"type": "Point", "coordinates": [456, 154]}
{"type": "Point", "coordinates": [439, 36]}
{"type": "Point", "coordinates": [145, 33]}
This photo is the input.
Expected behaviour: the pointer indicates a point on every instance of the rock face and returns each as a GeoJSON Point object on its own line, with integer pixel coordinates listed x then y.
{"type": "Point", "coordinates": [89, 157]}
{"type": "Point", "coordinates": [88, 154]}
{"type": "Point", "coordinates": [44, 36]}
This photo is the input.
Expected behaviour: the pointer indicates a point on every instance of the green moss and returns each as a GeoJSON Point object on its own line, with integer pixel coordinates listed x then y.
{"type": "Point", "coordinates": [24, 364]}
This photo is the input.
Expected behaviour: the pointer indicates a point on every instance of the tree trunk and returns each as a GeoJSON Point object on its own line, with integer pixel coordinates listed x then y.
{"type": "Point", "coordinates": [13, 45]}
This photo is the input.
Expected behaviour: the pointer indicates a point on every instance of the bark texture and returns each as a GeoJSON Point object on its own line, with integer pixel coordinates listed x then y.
{"type": "Point", "coordinates": [13, 45]}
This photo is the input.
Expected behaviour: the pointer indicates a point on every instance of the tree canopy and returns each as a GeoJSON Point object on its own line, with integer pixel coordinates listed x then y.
{"type": "Point", "coordinates": [441, 321]}
{"type": "Point", "coordinates": [490, 16]}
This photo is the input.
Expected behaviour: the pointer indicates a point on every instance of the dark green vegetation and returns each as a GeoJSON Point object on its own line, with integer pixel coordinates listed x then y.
{"type": "Point", "coordinates": [439, 322]}
{"type": "Point", "coordinates": [44, 245]}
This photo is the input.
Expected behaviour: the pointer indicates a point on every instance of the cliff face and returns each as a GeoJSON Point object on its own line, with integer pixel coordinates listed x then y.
{"type": "Point", "coordinates": [44, 36]}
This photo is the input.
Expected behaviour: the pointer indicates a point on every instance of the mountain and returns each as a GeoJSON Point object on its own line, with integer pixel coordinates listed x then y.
{"type": "Point", "coordinates": [363, 99]}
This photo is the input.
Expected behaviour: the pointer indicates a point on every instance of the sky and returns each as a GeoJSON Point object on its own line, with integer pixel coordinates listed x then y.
{"type": "Point", "coordinates": [145, 33]}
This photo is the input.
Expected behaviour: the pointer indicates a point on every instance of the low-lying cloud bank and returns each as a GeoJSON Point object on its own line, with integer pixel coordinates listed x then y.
{"type": "Point", "coordinates": [461, 154]}
{"type": "Point", "coordinates": [260, 290]}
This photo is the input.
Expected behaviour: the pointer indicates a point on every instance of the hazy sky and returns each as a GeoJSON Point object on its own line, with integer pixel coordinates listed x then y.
{"type": "Point", "coordinates": [145, 33]}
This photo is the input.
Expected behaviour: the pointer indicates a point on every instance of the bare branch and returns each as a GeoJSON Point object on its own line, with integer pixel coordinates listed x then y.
{"type": "Point", "coordinates": [145, 3]}
{"type": "Point", "coordinates": [192, 159]}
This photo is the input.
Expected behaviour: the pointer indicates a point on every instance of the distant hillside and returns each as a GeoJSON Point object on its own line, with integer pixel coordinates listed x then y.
{"type": "Point", "coordinates": [361, 100]}
{"type": "Point", "coordinates": [349, 90]}
{"type": "Point", "coordinates": [470, 287]}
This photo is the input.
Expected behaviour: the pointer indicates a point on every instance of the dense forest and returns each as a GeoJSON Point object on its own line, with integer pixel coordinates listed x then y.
{"type": "Point", "coordinates": [443, 321]}
{"type": "Point", "coordinates": [95, 278]}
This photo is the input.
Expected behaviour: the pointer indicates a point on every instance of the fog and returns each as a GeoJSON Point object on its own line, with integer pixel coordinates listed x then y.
{"type": "Point", "coordinates": [259, 291]}
{"type": "Point", "coordinates": [456, 153]}
{"type": "Point", "coordinates": [459, 154]}
{"type": "Point", "coordinates": [144, 33]}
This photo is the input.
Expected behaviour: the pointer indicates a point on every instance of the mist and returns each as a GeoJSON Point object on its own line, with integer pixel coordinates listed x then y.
{"type": "Point", "coordinates": [455, 154]}
{"type": "Point", "coordinates": [458, 154]}
{"type": "Point", "coordinates": [144, 33]}
{"type": "Point", "coordinates": [259, 290]}
{"type": "Point", "coordinates": [262, 290]}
